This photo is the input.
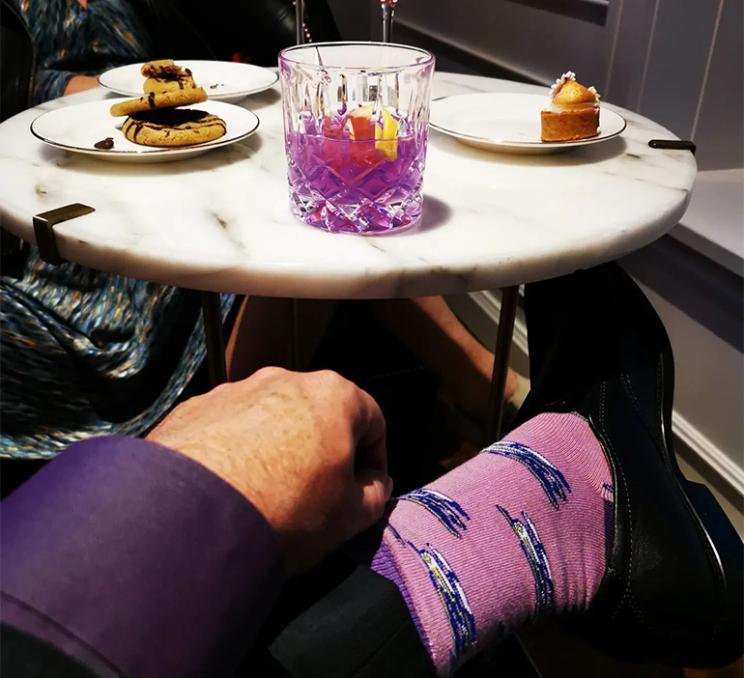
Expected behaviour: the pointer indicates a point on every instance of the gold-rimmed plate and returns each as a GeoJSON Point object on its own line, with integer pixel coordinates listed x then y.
{"type": "Point", "coordinates": [509, 122]}
{"type": "Point", "coordinates": [79, 127]}
{"type": "Point", "coordinates": [222, 80]}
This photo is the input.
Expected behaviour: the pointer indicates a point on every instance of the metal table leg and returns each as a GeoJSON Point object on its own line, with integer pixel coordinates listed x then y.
{"type": "Point", "coordinates": [300, 22]}
{"type": "Point", "coordinates": [214, 338]}
{"type": "Point", "coordinates": [501, 361]}
{"type": "Point", "coordinates": [294, 336]}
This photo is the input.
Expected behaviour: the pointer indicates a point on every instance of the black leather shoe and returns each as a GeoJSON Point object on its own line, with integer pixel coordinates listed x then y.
{"type": "Point", "coordinates": [672, 591]}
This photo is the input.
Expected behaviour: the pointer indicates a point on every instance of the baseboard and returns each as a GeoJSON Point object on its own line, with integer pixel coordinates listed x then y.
{"type": "Point", "coordinates": [712, 456]}
{"type": "Point", "coordinates": [721, 466]}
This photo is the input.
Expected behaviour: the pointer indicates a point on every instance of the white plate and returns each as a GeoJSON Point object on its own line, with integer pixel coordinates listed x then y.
{"type": "Point", "coordinates": [78, 128]}
{"type": "Point", "coordinates": [223, 80]}
{"type": "Point", "coordinates": [509, 122]}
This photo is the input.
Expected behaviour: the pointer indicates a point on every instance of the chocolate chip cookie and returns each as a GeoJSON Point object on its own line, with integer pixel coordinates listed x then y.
{"type": "Point", "coordinates": [173, 127]}
{"type": "Point", "coordinates": [166, 76]}
{"type": "Point", "coordinates": [153, 100]}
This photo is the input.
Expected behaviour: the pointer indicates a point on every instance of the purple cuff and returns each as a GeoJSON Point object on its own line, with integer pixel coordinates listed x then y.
{"type": "Point", "coordinates": [123, 550]}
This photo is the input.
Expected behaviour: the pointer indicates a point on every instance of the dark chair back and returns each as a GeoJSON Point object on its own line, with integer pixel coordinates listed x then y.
{"type": "Point", "coordinates": [255, 29]}
{"type": "Point", "coordinates": [16, 61]}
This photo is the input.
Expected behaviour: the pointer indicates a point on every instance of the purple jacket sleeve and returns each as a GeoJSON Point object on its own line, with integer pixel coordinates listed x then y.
{"type": "Point", "coordinates": [138, 560]}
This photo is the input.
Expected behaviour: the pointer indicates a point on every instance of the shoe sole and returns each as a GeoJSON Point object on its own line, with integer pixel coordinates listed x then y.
{"type": "Point", "coordinates": [722, 542]}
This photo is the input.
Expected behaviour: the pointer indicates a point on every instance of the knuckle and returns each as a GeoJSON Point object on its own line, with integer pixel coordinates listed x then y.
{"type": "Point", "coordinates": [329, 379]}
{"type": "Point", "coordinates": [332, 387]}
{"type": "Point", "coordinates": [271, 372]}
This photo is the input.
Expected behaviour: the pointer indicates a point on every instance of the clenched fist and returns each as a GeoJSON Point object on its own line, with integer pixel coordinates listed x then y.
{"type": "Point", "coordinates": [308, 451]}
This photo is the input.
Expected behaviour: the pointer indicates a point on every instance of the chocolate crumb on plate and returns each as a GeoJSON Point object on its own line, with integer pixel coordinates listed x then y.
{"type": "Point", "coordinates": [104, 144]}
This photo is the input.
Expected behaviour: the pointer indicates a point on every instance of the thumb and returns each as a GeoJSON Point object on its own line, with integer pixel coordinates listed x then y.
{"type": "Point", "coordinates": [376, 487]}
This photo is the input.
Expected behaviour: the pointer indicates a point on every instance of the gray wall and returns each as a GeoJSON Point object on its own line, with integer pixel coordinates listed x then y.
{"type": "Point", "coordinates": [680, 63]}
{"type": "Point", "coordinates": [676, 61]}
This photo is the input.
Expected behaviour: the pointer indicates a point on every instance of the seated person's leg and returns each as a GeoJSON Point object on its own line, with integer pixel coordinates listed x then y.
{"type": "Point", "coordinates": [474, 555]}
{"type": "Point", "coordinates": [428, 327]}
{"type": "Point", "coordinates": [580, 505]}
{"type": "Point", "coordinates": [89, 353]}
{"type": "Point", "coordinates": [484, 549]}
{"type": "Point", "coordinates": [262, 333]}
{"type": "Point", "coordinates": [341, 619]}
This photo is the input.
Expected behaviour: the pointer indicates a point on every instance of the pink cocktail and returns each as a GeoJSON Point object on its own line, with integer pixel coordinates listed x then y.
{"type": "Point", "coordinates": [356, 127]}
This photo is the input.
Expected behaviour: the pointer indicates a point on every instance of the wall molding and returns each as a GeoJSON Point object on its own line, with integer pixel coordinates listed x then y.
{"type": "Point", "coordinates": [594, 11]}
{"type": "Point", "coordinates": [709, 453]}
{"type": "Point", "coordinates": [411, 33]}
{"type": "Point", "coordinates": [706, 451]}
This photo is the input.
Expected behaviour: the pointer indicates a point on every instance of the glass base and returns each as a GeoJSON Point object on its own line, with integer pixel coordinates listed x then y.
{"type": "Point", "coordinates": [363, 218]}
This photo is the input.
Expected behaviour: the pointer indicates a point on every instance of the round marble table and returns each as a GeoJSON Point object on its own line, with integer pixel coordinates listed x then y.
{"type": "Point", "coordinates": [221, 221]}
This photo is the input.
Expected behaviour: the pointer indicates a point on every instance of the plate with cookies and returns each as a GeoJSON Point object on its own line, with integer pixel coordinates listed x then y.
{"type": "Point", "coordinates": [221, 80]}
{"type": "Point", "coordinates": [569, 117]}
{"type": "Point", "coordinates": [156, 127]}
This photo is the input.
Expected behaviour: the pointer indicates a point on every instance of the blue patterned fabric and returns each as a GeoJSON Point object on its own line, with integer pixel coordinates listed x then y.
{"type": "Point", "coordinates": [71, 40]}
{"type": "Point", "coordinates": [85, 353]}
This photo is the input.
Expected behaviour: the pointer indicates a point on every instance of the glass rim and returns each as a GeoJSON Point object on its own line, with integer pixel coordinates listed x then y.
{"type": "Point", "coordinates": [358, 69]}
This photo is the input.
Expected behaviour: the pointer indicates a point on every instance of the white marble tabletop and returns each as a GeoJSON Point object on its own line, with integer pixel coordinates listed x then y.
{"type": "Point", "coordinates": [221, 221]}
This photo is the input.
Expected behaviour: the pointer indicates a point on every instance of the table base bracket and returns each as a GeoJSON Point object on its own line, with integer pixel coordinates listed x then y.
{"type": "Point", "coordinates": [44, 224]}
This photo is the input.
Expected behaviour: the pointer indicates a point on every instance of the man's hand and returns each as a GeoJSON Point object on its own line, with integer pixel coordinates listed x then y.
{"type": "Point", "coordinates": [308, 450]}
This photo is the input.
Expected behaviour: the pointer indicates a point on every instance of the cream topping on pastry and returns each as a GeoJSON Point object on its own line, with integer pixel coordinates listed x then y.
{"type": "Point", "coordinates": [568, 75]}
{"type": "Point", "coordinates": [568, 94]}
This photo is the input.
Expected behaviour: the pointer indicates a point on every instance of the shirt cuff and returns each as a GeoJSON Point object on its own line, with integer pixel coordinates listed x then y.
{"type": "Point", "coordinates": [139, 555]}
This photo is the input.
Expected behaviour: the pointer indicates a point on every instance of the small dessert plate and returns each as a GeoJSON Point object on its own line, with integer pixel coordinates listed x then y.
{"type": "Point", "coordinates": [222, 80]}
{"type": "Point", "coordinates": [509, 122]}
{"type": "Point", "coordinates": [78, 128]}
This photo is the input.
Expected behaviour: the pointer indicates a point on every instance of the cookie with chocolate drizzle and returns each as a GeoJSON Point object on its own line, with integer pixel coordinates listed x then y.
{"type": "Point", "coordinates": [183, 97]}
{"type": "Point", "coordinates": [173, 127]}
{"type": "Point", "coordinates": [166, 76]}
{"type": "Point", "coordinates": [156, 68]}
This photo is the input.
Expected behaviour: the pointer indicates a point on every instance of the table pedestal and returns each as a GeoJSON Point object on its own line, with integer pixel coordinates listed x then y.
{"type": "Point", "coordinates": [501, 354]}
{"type": "Point", "coordinates": [214, 338]}
{"type": "Point", "coordinates": [215, 344]}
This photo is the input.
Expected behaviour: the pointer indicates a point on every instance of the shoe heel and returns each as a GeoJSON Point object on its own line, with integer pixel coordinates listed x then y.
{"type": "Point", "coordinates": [727, 643]}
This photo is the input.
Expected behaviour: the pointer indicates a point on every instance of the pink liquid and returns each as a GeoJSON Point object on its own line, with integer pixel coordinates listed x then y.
{"type": "Point", "coordinates": [349, 186]}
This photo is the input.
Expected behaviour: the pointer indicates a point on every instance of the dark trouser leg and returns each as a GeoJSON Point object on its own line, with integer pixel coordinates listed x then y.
{"type": "Point", "coordinates": [341, 621]}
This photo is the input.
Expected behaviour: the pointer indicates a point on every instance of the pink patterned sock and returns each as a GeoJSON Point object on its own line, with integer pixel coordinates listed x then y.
{"type": "Point", "coordinates": [514, 534]}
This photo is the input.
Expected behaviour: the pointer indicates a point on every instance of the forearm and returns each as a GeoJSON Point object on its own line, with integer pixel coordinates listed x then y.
{"type": "Point", "coordinates": [80, 83]}
{"type": "Point", "coordinates": [146, 558]}
{"type": "Point", "coordinates": [51, 84]}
